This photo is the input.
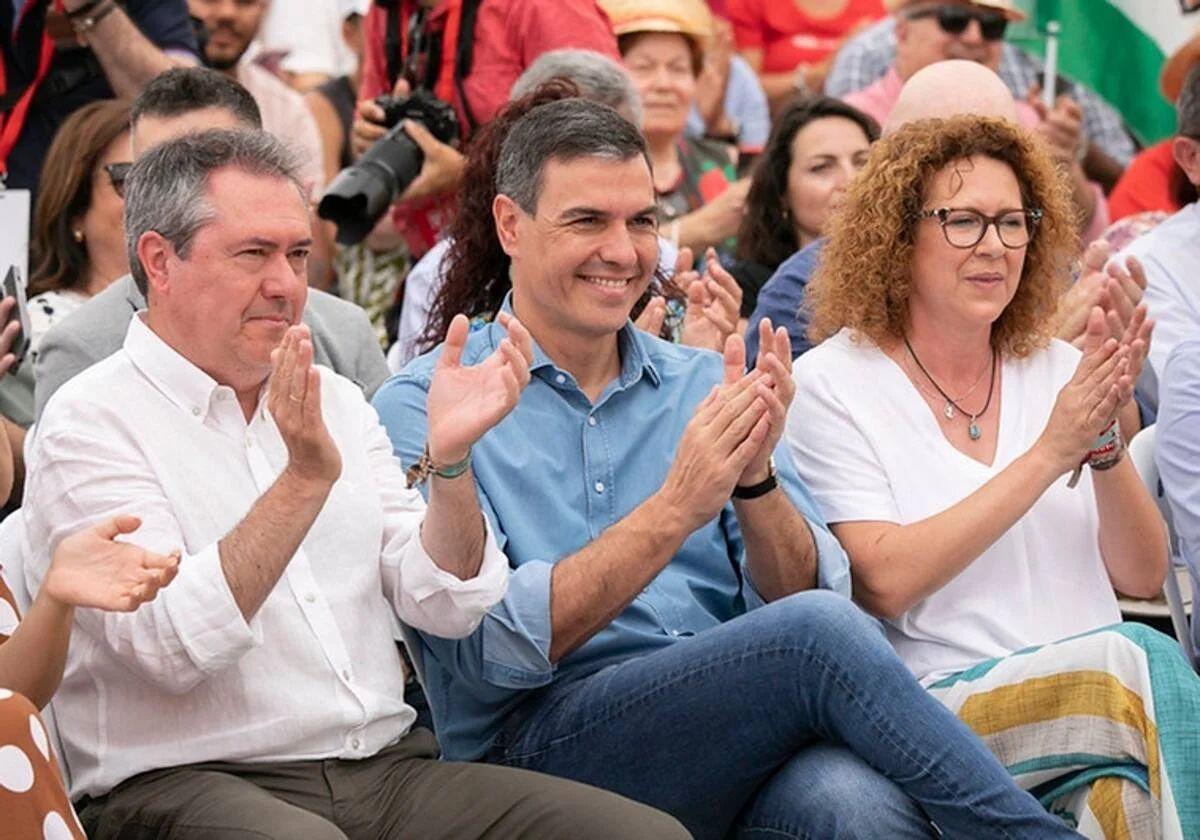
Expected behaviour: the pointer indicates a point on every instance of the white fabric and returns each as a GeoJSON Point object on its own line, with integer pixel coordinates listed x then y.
{"type": "Point", "coordinates": [286, 115]}
{"type": "Point", "coordinates": [869, 448]}
{"type": "Point", "coordinates": [309, 32]}
{"type": "Point", "coordinates": [315, 673]}
{"type": "Point", "coordinates": [1170, 254]}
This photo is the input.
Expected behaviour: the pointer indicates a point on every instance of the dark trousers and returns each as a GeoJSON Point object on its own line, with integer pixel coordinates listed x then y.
{"type": "Point", "coordinates": [403, 791]}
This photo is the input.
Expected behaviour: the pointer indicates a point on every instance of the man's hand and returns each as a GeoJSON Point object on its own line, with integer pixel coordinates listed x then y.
{"type": "Point", "coordinates": [441, 170]}
{"type": "Point", "coordinates": [714, 302]}
{"type": "Point", "coordinates": [92, 569]}
{"type": "Point", "coordinates": [726, 430]}
{"type": "Point", "coordinates": [1114, 288]}
{"type": "Point", "coordinates": [8, 335]}
{"type": "Point", "coordinates": [652, 317]}
{"type": "Point", "coordinates": [294, 400]}
{"type": "Point", "coordinates": [1061, 127]}
{"type": "Point", "coordinates": [464, 402]}
{"type": "Point", "coordinates": [775, 366]}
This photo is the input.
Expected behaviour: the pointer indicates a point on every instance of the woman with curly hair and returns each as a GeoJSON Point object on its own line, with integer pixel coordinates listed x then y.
{"type": "Point", "coordinates": [816, 147]}
{"type": "Point", "coordinates": [972, 467]}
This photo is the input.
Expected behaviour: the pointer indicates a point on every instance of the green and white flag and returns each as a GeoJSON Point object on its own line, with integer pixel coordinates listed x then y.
{"type": "Point", "coordinates": [1116, 47]}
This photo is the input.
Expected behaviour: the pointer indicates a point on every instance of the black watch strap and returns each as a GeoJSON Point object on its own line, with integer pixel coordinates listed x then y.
{"type": "Point", "coordinates": [763, 487]}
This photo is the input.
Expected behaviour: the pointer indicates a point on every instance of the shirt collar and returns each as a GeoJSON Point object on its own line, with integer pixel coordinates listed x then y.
{"type": "Point", "coordinates": [171, 373]}
{"type": "Point", "coordinates": [631, 344]}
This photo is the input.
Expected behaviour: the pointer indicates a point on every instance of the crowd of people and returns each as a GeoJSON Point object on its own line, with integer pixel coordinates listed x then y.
{"type": "Point", "coordinates": [715, 423]}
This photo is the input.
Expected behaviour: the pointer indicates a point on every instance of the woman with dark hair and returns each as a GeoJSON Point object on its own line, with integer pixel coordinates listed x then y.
{"type": "Point", "coordinates": [78, 243]}
{"type": "Point", "coordinates": [816, 147]}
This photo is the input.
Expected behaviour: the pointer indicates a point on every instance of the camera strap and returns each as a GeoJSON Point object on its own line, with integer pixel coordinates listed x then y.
{"type": "Point", "coordinates": [13, 118]}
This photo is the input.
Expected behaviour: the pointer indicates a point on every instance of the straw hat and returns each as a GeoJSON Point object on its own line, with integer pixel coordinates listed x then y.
{"type": "Point", "coordinates": [1003, 7]}
{"type": "Point", "coordinates": [690, 18]}
{"type": "Point", "coordinates": [1177, 67]}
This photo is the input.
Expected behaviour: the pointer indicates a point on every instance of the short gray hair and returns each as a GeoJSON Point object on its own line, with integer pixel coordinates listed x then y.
{"type": "Point", "coordinates": [597, 76]}
{"type": "Point", "coordinates": [164, 191]}
{"type": "Point", "coordinates": [567, 129]}
{"type": "Point", "coordinates": [1187, 107]}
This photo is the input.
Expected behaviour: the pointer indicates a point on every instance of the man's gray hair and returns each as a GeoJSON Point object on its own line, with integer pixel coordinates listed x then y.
{"type": "Point", "coordinates": [1187, 107]}
{"type": "Point", "coordinates": [567, 129]}
{"type": "Point", "coordinates": [165, 189]}
{"type": "Point", "coordinates": [597, 76]}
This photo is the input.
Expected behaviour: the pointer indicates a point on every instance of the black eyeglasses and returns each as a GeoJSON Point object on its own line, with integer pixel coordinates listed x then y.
{"type": "Point", "coordinates": [117, 173]}
{"type": "Point", "coordinates": [954, 20]}
{"type": "Point", "coordinates": [964, 228]}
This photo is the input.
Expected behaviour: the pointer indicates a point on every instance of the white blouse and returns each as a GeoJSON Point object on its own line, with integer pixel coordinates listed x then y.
{"type": "Point", "coordinates": [869, 448]}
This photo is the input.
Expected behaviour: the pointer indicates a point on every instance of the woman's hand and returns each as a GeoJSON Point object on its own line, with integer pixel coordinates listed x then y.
{"type": "Point", "coordinates": [1087, 404]}
{"type": "Point", "coordinates": [714, 302]}
{"type": "Point", "coordinates": [92, 569]}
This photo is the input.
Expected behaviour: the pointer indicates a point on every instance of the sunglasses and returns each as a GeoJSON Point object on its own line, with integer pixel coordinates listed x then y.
{"type": "Point", "coordinates": [117, 173]}
{"type": "Point", "coordinates": [954, 20]}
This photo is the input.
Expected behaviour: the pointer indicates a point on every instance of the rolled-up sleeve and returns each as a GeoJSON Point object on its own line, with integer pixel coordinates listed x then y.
{"type": "Point", "coordinates": [194, 628]}
{"type": "Point", "coordinates": [424, 595]}
{"type": "Point", "coordinates": [511, 646]}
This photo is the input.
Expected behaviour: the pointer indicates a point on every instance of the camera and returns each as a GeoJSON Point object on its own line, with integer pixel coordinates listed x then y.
{"type": "Point", "coordinates": [361, 193]}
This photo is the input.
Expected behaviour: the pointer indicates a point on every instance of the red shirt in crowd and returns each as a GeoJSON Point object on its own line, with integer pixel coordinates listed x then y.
{"type": "Point", "coordinates": [1145, 184]}
{"type": "Point", "coordinates": [509, 35]}
{"type": "Point", "coordinates": [789, 37]}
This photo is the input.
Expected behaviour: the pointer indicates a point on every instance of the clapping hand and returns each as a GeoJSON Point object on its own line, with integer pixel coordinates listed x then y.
{"type": "Point", "coordinates": [714, 301]}
{"type": "Point", "coordinates": [8, 335]}
{"type": "Point", "coordinates": [1103, 380]}
{"type": "Point", "coordinates": [464, 402]}
{"type": "Point", "coordinates": [777, 388]}
{"type": "Point", "coordinates": [93, 569]}
{"type": "Point", "coordinates": [294, 400]}
{"type": "Point", "coordinates": [1114, 287]}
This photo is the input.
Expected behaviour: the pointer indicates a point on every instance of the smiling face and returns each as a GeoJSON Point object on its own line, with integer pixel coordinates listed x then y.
{"type": "Point", "coordinates": [825, 154]}
{"type": "Point", "coordinates": [227, 304]}
{"type": "Point", "coordinates": [660, 64]}
{"type": "Point", "coordinates": [586, 255]}
{"type": "Point", "coordinates": [965, 288]}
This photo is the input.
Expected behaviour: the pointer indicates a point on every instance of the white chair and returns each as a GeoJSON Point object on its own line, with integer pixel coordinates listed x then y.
{"type": "Point", "coordinates": [1179, 602]}
{"type": "Point", "coordinates": [12, 559]}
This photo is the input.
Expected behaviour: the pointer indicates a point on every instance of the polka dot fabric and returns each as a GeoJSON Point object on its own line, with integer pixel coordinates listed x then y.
{"type": "Point", "coordinates": [33, 801]}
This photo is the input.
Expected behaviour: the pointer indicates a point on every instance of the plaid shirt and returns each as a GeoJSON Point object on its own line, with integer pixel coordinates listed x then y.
{"type": "Point", "coordinates": [867, 56]}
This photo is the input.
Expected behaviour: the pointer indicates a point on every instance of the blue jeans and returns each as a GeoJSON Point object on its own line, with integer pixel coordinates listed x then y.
{"type": "Point", "coordinates": [795, 720]}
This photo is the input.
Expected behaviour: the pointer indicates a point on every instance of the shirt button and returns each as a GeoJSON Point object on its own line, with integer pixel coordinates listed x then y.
{"type": "Point", "coordinates": [599, 486]}
{"type": "Point", "coordinates": [346, 674]}
{"type": "Point", "coordinates": [311, 598]}
{"type": "Point", "coordinates": [195, 412]}
{"type": "Point", "coordinates": [674, 632]}
{"type": "Point", "coordinates": [355, 743]}
{"type": "Point", "coordinates": [560, 379]}
{"type": "Point", "coordinates": [249, 442]}
{"type": "Point", "coordinates": [591, 420]}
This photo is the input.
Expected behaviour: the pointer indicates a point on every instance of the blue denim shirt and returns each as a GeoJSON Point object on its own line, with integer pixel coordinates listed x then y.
{"type": "Point", "coordinates": [781, 297]}
{"type": "Point", "coordinates": [552, 476]}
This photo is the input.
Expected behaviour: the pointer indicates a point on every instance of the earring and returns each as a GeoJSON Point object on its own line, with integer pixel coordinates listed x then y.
{"type": "Point", "coordinates": [77, 234]}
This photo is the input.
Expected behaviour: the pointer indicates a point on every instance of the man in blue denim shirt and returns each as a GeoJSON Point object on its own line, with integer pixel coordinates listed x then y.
{"type": "Point", "coordinates": [659, 638]}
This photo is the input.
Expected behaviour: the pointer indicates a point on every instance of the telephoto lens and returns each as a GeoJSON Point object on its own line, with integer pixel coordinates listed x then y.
{"type": "Point", "coordinates": [362, 192]}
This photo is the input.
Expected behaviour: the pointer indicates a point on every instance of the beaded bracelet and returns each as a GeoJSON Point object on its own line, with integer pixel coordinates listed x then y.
{"type": "Point", "coordinates": [419, 472]}
{"type": "Point", "coordinates": [1107, 451]}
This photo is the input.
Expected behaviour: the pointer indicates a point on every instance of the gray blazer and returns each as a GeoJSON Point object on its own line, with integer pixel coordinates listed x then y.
{"type": "Point", "coordinates": [342, 339]}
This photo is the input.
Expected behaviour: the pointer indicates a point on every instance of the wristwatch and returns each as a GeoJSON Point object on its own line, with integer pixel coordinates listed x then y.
{"type": "Point", "coordinates": [753, 491]}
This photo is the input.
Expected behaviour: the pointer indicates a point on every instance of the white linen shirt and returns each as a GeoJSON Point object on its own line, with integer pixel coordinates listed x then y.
{"type": "Point", "coordinates": [867, 445]}
{"type": "Point", "coordinates": [315, 673]}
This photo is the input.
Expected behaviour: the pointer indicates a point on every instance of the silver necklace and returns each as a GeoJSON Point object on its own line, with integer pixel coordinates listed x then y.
{"type": "Point", "coordinates": [973, 430]}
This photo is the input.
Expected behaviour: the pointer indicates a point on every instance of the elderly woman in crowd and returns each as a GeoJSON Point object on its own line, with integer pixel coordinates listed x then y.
{"type": "Point", "coordinates": [662, 43]}
{"type": "Point", "coordinates": [817, 145]}
{"type": "Point", "coordinates": [78, 243]}
{"type": "Point", "coordinates": [972, 468]}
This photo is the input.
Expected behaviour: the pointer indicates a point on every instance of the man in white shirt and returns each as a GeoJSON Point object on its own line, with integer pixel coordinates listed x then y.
{"type": "Point", "coordinates": [1170, 253]}
{"type": "Point", "coordinates": [263, 694]}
